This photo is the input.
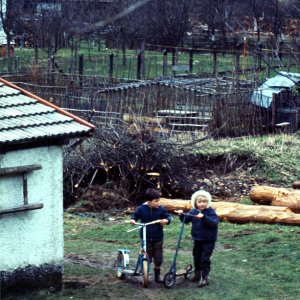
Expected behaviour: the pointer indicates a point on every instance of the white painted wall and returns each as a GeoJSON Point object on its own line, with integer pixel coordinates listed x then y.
{"type": "Point", "coordinates": [34, 237]}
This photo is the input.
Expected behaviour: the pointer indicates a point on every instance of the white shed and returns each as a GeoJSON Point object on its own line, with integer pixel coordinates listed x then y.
{"type": "Point", "coordinates": [32, 133]}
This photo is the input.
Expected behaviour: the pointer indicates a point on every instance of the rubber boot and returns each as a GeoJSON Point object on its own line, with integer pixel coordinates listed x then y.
{"type": "Point", "coordinates": [198, 271]}
{"type": "Point", "coordinates": [157, 276]}
{"type": "Point", "coordinates": [196, 276]}
{"type": "Point", "coordinates": [203, 281]}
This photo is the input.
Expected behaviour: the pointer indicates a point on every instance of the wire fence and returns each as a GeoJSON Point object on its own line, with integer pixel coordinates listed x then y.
{"type": "Point", "coordinates": [153, 61]}
{"type": "Point", "coordinates": [209, 91]}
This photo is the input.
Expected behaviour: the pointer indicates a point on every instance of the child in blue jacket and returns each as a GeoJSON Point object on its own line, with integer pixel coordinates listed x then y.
{"type": "Point", "coordinates": [204, 233]}
{"type": "Point", "coordinates": [150, 211]}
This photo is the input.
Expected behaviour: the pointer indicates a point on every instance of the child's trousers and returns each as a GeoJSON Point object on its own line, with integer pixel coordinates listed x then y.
{"type": "Point", "coordinates": [155, 252]}
{"type": "Point", "coordinates": [202, 252]}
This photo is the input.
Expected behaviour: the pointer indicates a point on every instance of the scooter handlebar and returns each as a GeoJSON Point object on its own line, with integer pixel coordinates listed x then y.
{"type": "Point", "coordinates": [142, 224]}
{"type": "Point", "coordinates": [187, 214]}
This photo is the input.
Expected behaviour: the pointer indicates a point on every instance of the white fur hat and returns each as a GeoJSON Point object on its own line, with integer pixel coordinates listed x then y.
{"type": "Point", "coordinates": [203, 194]}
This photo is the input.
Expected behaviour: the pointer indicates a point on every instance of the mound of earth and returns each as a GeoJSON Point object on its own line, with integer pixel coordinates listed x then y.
{"type": "Point", "coordinates": [99, 198]}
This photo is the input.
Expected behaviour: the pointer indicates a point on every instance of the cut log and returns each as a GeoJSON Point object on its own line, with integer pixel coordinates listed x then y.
{"type": "Point", "coordinates": [241, 213]}
{"type": "Point", "coordinates": [143, 119]}
{"type": "Point", "coordinates": [296, 184]}
{"type": "Point", "coordinates": [276, 196]}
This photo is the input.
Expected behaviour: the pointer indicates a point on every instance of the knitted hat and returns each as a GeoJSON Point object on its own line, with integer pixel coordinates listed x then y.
{"type": "Point", "coordinates": [203, 194]}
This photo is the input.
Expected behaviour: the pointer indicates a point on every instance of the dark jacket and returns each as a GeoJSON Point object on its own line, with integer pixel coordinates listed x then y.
{"type": "Point", "coordinates": [147, 214]}
{"type": "Point", "coordinates": [204, 229]}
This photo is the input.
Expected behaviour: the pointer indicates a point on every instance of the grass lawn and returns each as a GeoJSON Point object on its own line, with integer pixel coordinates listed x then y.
{"type": "Point", "coordinates": [96, 62]}
{"type": "Point", "coordinates": [251, 261]}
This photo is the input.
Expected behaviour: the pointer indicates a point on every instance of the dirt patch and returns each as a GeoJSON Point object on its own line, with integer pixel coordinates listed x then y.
{"type": "Point", "coordinates": [108, 261]}
{"type": "Point", "coordinates": [75, 284]}
{"type": "Point", "coordinates": [223, 247]}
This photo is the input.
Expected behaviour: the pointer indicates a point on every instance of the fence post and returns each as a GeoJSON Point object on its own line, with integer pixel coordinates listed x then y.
{"type": "Point", "coordinates": [139, 63]}
{"type": "Point", "coordinates": [36, 57]}
{"type": "Point", "coordinates": [143, 60]}
{"type": "Point", "coordinates": [51, 69]}
{"type": "Point", "coordinates": [174, 59]}
{"type": "Point", "coordinates": [174, 54]}
{"type": "Point", "coordinates": [268, 66]}
{"type": "Point", "coordinates": [237, 70]}
{"type": "Point", "coordinates": [259, 50]}
{"type": "Point", "coordinates": [280, 50]}
{"type": "Point", "coordinates": [273, 112]}
{"type": "Point", "coordinates": [75, 57]}
{"type": "Point", "coordinates": [50, 64]}
{"type": "Point", "coordinates": [191, 53]}
{"type": "Point", "coordinates": [111, 65]}
{"type": "Point", "coordinates": [80, 69]}
{"type": "Point", "coordinates": [165, 62]}
{"type": "Point", "coordinates": [214, 68]}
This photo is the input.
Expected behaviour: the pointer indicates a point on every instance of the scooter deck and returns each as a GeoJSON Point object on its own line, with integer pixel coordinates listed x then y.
{"type": "Point", "coordinates": [181, 272]}
{"type": "Point", "coordinates": [129, 272]}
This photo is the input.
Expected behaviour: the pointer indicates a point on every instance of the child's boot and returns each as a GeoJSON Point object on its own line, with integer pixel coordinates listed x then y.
{"type": "Point", "coordinates": [203, 281]}
{"type": "Point", "coordinates": [197, 276]}
{"type": "Point", "coordinates": [157, 276]}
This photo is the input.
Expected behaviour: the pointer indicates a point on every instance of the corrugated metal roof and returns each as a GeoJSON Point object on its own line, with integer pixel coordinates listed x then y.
{"type": "Point", "coordinates": [263, 95]}
{"type": "Point", "coordinates": [25, 118]}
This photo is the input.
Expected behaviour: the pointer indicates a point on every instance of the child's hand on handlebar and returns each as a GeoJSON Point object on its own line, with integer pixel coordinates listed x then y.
{"type": "Point", "coordinates": [179, 212]}
{"type": "Point", "coordinates": [132, 221]}
{"type": "Point", "coordinates": [199, 216]}
{"type": "Point", "coordinates": [164, 221]}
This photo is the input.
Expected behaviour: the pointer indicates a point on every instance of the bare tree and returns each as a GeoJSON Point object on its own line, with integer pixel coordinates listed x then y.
{"type": "Point", "coordinates": [125, 32]}
{"type": "Point", "coordinates": [258, 9]}
{"type": "Point", "coordinates": [219, 15]}
{"type": "Point", "coordinates": [8, 15]}
{"type": "Point", "coordinates": [168, 21]}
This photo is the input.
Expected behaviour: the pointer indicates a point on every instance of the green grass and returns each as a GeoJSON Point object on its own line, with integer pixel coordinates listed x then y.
{"type": "Point", "coordinates": [277, 156]}
{"type": "Point", "coordinates": [96, 62]}
{"type": "Point", "coordinates": [250, 262]}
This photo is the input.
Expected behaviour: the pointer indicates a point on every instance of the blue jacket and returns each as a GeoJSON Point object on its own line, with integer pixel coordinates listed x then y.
{"type": "Point", "coordinates": [204, 229]}
{"type": "Point", "coordinates": [147, 214]}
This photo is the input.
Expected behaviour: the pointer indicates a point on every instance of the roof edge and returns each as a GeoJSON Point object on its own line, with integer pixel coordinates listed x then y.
{"type": "Point", "coordinates": [45, 102]}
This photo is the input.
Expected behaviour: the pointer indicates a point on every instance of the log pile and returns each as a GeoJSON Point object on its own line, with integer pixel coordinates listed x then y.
{"type": "Point", "coordinates": [267, 195]}
{"type": "Point", "coordinates": [241, 213]}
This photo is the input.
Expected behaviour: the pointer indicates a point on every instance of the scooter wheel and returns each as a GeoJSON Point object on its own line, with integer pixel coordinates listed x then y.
{"type": "Point", "coordinates": [145, 269]}
{"type": "Point", "coordinates": [120, 266]}
{"type": "Point", "coordinates": [169, 280]}
{"type": "Point", "coordinates": [188, 271]}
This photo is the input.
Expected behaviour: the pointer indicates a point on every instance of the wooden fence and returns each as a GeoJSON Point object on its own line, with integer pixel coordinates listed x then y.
{"type": "Point", "coordinates": [286, 111]}
{"type": "Point", "coordinates": [246, 59]}
{"type": "Point", "coordinates": [167, 107]}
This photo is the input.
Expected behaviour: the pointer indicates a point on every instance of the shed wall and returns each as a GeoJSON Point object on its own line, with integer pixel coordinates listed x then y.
{"type": "Point", "coordinates": [32, 239]}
